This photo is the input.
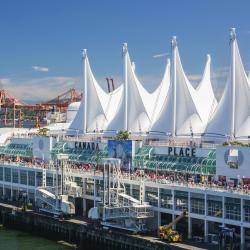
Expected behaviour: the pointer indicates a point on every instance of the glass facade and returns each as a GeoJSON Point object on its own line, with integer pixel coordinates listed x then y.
{"type": "Point", "coordinates": [232, 208]}
{"type": "Point", "coordinates": [181, 200]}
{"type": "Point", "coordinates": [247, 210]}
{"type": "Point", "coordinates": [197, 203]}
{"type": "Point", "coordinates": [1, 173]}
{"type": "Point", "coordinates": [99, 187]}
{"type": "Point", "coordinates": [23, 177]}
{"type": "Point", "coordinates": [89, 187]}
{"type": "Point", "coordinates": [7, 174]}
{"type": "Point", "coordinates": [31, 178]}
{"type": "Point", "coordinates": [151, 196]}
{"type": "Point", "coordinates": [214, 206]}
{"type": "Point", "coordinates": [79, 181]}
{"type": "Point", "coordinates": [39, 179]}
{"type": "Point", "coordinates": [49, 180]}
{"type": "Point", "coordinates": [15, 177]}
{"type": "Point", "coordinates": [166, 199]}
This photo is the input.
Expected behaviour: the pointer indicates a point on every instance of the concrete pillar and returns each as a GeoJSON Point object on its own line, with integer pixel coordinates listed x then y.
{"type": "Point", "coordinates": [11, 188]}
{"type": "Point", "coordinates": [223, 211]}
{"type": "Point", "coordinates": [189, 227]}
{"type": "Point", "coordinates": [4, 182]}
{"type": "Point", "coordinates": [173, 208]}
{"type": "Point", "coordinates": [242, 229]}
{"type": "Point", "coordinates": [173, 200]}
{"type": "Point", "coordinates": [242, 212]}
{"type": "Point", "coordinates": [53, 179]}
{"type": "Point", "coordinates": [158, 212]}
{"type": "Point", "coordinates": [206, 230]}
{"type": "Point", "coordinates": [205, 204]}
{"type": "Point", "coordinates": [95, 193]}
{"type": "Point", "coordinates": [242, 238]}
{"type": "Point", "coordinates": [84, 200]}
{"type": "Point", "coordinates": [27, 185]}
{"type": "Point", "coordinates": [173, 218]}
{"type": "Point", "coordinates": [189, 218]}
{"type": "Point", "coordinates": [205, 221]}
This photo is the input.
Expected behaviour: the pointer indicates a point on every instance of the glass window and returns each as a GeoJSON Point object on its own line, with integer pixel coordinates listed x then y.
{"type": "Point", "coordinates": [181, 200]}
{"type": "Point", "coordinates": [1, 173]}
{"type": "Point", "coordinates": [7, 174]}
{"type": "Point", "coordinates": [214, 208]}
{"type": "Point", "coordinates": [90, 187]}
{"type": "Point", "coordinates": [39, 177]}
{"type": "Point", "coordinates": [23, 177]}
{"type": "Point", "coordinates": [166, 198]}
{"type": "Point", "coordinates": [31, 178]}
{"type": "Point", "coordinates": [247, 210]}
{"type": "Point", "coordinates": [151, 196]}
{"type": "Point", "coordinates": [15, 177]}
{"type": "Point", "coordinates": [232, 208]}
{"type": "Point", "coordinates": [197, 203]}
{"type": "Point", "coordinates": [49, 180]}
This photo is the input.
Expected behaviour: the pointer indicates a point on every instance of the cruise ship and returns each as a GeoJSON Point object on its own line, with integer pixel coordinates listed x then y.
{"type": "Point", "coordinates": [179, 149]}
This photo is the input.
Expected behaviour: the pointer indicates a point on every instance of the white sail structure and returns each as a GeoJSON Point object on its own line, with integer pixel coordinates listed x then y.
{"type": "Point", "coordinates": [163, 121]}
{"type": "Point", "coordinates": [232, 116]}
{"type": "Point", "coordinates": [143, 108]}
{"type": "Point", "coordinates": [138, 117]}
{"type": "Point", "coordinates": [98, 108]}
{"type": "Point", "coordinates": [193, 106]}
{"type": "Point", "coordinates": [186, 110]}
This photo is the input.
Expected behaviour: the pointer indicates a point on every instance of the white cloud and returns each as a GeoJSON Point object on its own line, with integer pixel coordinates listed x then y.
{"type": "Point", "coordinates": [40, 69]}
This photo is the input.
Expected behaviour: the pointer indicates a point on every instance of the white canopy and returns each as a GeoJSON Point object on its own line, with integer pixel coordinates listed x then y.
{"type": "Point", "coordinates": [186, 110]}
{"type": "Point", "coordinates": [98, 108]}
{"type": "Point", "coordinates": [143, 108]}
{"type": "Point", "coordinates": [193, 106]}
{"type": "Point", "coordinates": [175, 107]}
{"type": "Point", "coordinates": [232, 116]}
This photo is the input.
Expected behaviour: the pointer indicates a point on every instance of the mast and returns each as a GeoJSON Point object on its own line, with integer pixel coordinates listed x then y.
{"type": "Point", "coordinates": [232, 44]}
{"type": "Point", "coordinates": [85, 96]}
{"type": "Point", "coordinates": [125, 55]}
{"type": "Point", "coordinates": [174, 48]}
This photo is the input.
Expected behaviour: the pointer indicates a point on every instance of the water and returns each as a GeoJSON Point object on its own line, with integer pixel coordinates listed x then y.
{"type": "Point", "coordinates": [16, 240]}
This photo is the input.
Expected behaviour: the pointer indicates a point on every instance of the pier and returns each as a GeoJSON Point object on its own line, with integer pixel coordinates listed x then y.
{"type": "Point", "coordinates": [81, 233]}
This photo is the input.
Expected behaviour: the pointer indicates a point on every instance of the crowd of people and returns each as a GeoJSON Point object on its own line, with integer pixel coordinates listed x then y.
{"type": "Point", "coordinates": [162, 177]}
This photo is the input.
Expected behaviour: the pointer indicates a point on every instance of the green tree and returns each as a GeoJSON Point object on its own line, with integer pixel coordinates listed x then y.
{"type": "Point", "coordinates": [122, 135]}
{"type": "Point", "coordinates": [43, 131]}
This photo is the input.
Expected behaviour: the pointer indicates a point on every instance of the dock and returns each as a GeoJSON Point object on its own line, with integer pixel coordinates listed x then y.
{"type": "Point", "coordinates": [81, 233]}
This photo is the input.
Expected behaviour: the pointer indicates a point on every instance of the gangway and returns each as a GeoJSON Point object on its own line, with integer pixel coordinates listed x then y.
{"type": "Point", "coordinates": [118, 209]}
{"type": "Point", "coordinates": [48, 202]}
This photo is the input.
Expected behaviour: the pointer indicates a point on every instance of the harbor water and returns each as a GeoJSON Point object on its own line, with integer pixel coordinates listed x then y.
{"type": "Point", "coordinates": [16, 240]}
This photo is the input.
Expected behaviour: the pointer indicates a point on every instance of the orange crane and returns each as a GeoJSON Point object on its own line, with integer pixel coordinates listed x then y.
{"type": "Point", "coordinates": [63, 100]}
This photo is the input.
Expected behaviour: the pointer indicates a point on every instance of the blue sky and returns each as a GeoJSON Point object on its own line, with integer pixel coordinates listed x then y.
{"type": "Point", "coordinates": [51, 33]}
